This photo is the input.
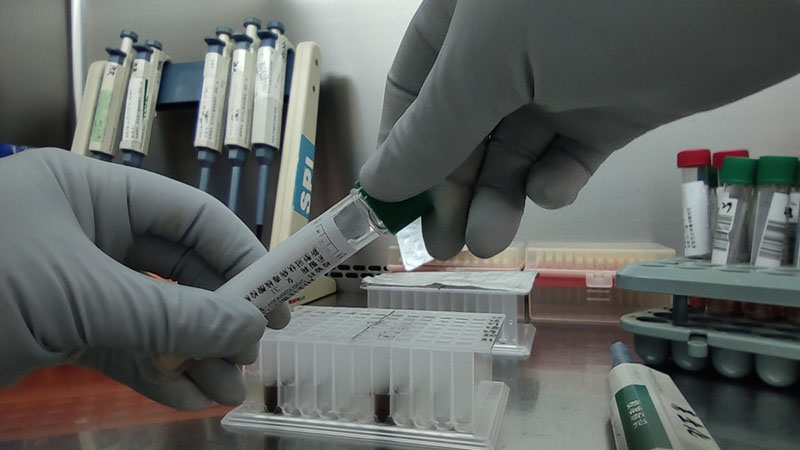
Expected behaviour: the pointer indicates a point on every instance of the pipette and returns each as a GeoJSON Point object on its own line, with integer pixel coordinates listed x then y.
{"type": "Point", "coordinates": [104, 137]}
{"type": "Point", "coordinates": [240, 112]}
{"type": "Point", "coordinates": [315, 249]}
{"type": "Point", "coordinates": [211, 111]}
{"type": "Point", "coordinates": [140, 107]}
{"type": "Point", "coordinates": [270, 84]}
{"type": "Point", "coordinates": [251, 26]}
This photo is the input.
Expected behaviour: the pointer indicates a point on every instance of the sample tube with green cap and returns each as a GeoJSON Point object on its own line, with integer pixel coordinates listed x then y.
{"type": "Point", "coordinates": [321, 245]}
{"type": "Point", "coordinates": [732, 231]}
{"type": "Point", "coordinates": [733, 227]}
{"type": "Point", "coordinates": [790, 253]}
{"type": "Point", "coordinates": [314, 250]}
{"type": "Point", "coordinates": [774, 176]}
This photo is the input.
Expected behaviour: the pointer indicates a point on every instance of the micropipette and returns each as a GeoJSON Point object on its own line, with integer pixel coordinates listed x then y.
{"type": "Point", "coordinates": [140, 107]}
{"type": "Point", "coordinates": [240, 112]}
{"type": "Point", "coordinates": [270, 83]}
{"type": "Point", "coordinates": [211, 111]}
{"type": "Point", "coordinates": [315, 249]}
{"type": "Point", "coordinates": [251, 26]}
{"type": "Point", "coordinates": [104, 137]}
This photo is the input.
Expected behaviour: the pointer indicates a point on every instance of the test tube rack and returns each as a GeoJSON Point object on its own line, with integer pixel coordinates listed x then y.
{"type": "Point", "coordinates": [735, 345]}
{"type": "Point", "coordinates": [416, 377]}
{"type": "Point", "coordinates": [576, 280]}
{"type": "Point", "coordinates": [515, 339]}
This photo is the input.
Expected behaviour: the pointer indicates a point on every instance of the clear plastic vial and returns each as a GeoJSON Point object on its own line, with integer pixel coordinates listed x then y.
{"type": "Point", "coordinates": [321, 245]}
{"type": "Point", "coordinates": [775, 175]}
{"type": "Point", "coordinates": [790, 252]}
{"type": "Point", "coordinates": [733, 225]}
{"type": "Point", "coordinates": [733, 229]}
{"type": "Point", "coordinates": [694, 198]}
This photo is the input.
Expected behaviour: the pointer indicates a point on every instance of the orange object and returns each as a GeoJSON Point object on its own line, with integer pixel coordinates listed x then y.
{"type": "Point", "coordinates": [72, 399]}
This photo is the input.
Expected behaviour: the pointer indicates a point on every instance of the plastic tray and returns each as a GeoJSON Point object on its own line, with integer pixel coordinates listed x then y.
{"type": "Point", "coordinates": [576, 280]}
{"type": "Point", "coordinates": [515, 338]}
{"type": "Point", "coordinates": [509, 259]}
{"type": "Point", "coordinates": [735, 345]}
{"type": "Point", "coordinates": [413, 377]}
{"type": "Point", "coordinates": [702, 279]}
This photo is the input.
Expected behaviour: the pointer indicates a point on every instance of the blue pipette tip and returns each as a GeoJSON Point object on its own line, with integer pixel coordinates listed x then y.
{"type": "Point", "coordinates": [126, 33]}
{"type": "Point", "coordinates": [276, 24]}
{"type": "Point", "coordinates": [154, 43]}
{"type": "Point", "coordinates": [224, 30]}
{"type": "Point", "coordinates": [620, 353]}
{"type": "Point", "coordinates": [252, 21]}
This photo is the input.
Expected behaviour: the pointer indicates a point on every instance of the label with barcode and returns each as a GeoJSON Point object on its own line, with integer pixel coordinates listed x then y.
{"type": "Point", "coordinates": [770, 249]}
{"type": "Point", "coordinates": [696, 231]}
{"type": "Point", "coordinates": [791, 228]}
{"type": "Point", "coordinates": [726, 211]}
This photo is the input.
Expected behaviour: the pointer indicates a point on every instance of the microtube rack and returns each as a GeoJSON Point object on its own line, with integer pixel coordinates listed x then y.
{"type": "Point", "coordinates": [515, 338]}
{"type": "Point", "coordinates": [417, 377]}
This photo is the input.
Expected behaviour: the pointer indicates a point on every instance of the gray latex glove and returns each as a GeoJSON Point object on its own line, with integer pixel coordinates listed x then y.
{"type": "Point", "coordinates": [74, 234]}
{"type": "Point", "coordinates": [489, 102]}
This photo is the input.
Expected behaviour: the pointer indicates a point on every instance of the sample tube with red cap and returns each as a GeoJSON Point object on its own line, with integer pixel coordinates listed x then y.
{"type": "Point", "coordinates": [694, 165]}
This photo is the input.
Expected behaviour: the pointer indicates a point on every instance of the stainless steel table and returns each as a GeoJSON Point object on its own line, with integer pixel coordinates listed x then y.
{"type": "Point", "coordinates": [558, 401]}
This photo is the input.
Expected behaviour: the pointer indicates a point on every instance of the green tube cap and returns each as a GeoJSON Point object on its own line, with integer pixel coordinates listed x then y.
{"type": "Point", "coordinates": [737, 170]}
{"type": "Point", "coordinates": [797, 175]}
{"type": "Point", "coordinates": [397, 215]}
{"type": "Point", "coordinates": [776, 169]}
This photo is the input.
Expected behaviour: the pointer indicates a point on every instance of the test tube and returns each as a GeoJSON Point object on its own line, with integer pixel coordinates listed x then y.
{"type": "Point", "coordinates": [270, 83]}
{"type": "Point", "coordinates": [694, 198]}
{"type": "Point", "coordinates": [715, 182]}
{"type": "Point", "coordinates": [733, 227]}
{"type": "Point", "coordinates": [211, 111]}
{"type": "Point", "coordinates": [240, 113]}
{"type": "Point", "coordinates": [775, 175]}
{"type": "Point", "coordinates": [315, 249]}
{"type": "Point", "coordinates": [792, 215]}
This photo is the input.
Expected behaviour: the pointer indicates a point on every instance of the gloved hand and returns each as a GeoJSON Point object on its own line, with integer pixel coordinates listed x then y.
{"type": "Point", "coordinates": [74, 234]}
{"type": "Point", "coordinates": [488, 102]}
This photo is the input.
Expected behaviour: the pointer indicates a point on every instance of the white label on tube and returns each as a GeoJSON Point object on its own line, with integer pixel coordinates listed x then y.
{"type": "Point", "coordinates": [791, 230]}
{"type": "Point", "coordinates": [696, 232]}
{"type": "Point", "coordinates": [293, 265]}
{"type": "Point", "coordinates": [794, 207]}
{"type": "Point", "coordinates": [649, 412]}
{"type": "Point", "coordinates": [237, 128]}
{"type": "Point", "coordinates": [134, 108]}
{"type": "Point", "coordinates": [726, 211]}
{"type": "Point", "coordinates": [208, 128]}
{"type": "Point", "coordinates": [770, 249]}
